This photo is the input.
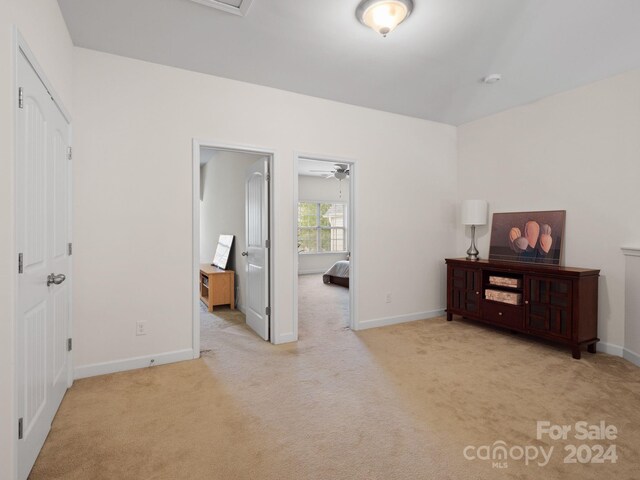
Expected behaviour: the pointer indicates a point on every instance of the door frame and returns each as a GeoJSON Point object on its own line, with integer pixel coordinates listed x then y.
{"type": "Point", "coordinates": [21, 47]}
{"type": "Point", "coordinates": [215, 144]}
{"type": "Point", "coordinates": [352, 234]}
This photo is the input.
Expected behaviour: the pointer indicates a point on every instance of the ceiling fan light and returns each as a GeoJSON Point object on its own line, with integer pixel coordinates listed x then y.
{"type": "Point", "coordinates": [383, 16]}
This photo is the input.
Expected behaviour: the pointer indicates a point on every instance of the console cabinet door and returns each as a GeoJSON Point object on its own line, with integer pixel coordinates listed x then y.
{"type": "Point", "coordinates": [465, 290]}
{"type": "Point", "coordinates": [548, 306]}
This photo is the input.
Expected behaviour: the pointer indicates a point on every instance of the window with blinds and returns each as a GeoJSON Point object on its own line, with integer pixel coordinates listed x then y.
{"type": "Point", "coordinates": [322, 227]}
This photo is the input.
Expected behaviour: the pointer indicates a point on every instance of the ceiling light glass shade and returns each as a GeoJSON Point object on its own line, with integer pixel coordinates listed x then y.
{"type": "Point", "coordinates": [383, 16]}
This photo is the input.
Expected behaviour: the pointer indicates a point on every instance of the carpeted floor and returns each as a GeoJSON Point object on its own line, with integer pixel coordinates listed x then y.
{"type": "Point", "coordinates": [399, 402]}
{"type": "Point", "coordinates": [322, 308]}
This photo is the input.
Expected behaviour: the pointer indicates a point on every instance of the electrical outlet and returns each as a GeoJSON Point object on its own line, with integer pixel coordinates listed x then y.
{"type": "Point", "coordinates": [141, 328]}
{"type": "Point", "coordinates": [388, 299]}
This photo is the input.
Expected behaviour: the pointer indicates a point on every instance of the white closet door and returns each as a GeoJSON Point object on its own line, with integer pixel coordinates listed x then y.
{"type": "Point", "coordinates": [42, 239]}
{"type": "Point", "coordinates": [257, 235]}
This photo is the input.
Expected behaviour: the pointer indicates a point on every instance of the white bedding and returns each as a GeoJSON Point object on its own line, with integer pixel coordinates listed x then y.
{"type": "Point", "coordinates": [339, 269]}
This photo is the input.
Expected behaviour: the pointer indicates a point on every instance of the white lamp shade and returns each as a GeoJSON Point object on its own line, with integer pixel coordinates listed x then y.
{"type": "Point", "coordinates": [474, 212]}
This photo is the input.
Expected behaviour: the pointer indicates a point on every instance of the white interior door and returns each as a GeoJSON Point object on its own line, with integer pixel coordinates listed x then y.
{"type": "Point", "coordinates": [43, 232]}
{"type": "Point", "coordinates": [257, 253]}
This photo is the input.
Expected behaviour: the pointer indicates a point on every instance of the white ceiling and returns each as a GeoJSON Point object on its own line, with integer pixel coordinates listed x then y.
{"type": "Point", "coordinates": [233, 3]}
{"type": "Point", "coordinates": [430, 67]}
{"type": "Point", "coordinates": [237, 7]}
{"type": "Point", "coordinates": [209, 153]}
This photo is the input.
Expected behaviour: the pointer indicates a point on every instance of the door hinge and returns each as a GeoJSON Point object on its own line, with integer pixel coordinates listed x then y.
{"type": "Point", "coordinates": [267, 244]}
{"type": "Point", "coordinates": [69, 153]}
{"type": "Point", "coordinates": [20, 98]}
{"type": "Point", "coordinates": [69, 344]}
{"type": "Point", "coordinates": [20, 264]}
{"type": "Point", "coordinates": [268, 177]}
{"type": "Point", "coordinates": [20, 429]}
{"type": "Point", "coordinates": [70, 249]}
{"type": "Point", "coordinates": [267, 311]}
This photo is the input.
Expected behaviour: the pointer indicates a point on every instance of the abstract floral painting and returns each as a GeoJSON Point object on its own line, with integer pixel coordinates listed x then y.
{"type": "Point", "coordinates": [532, 237]}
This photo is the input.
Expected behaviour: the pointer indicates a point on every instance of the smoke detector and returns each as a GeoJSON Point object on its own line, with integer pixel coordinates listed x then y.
{"type": "Point", "coordinates": [493, 78]}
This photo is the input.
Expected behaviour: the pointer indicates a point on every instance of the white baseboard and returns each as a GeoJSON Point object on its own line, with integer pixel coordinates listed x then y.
{"type": "Point", "coordinates": [619, 351]}
{"type": "Point", "coordinates": [132, 363]}
{"type": "Point", "coordinates": [411, 317]}
{"type": "Point", "coordinates": [311, 272]}
{"type": "Point", "coordinates": [610, 348]}
{"type": "Point", "coordinates": [632, 356]}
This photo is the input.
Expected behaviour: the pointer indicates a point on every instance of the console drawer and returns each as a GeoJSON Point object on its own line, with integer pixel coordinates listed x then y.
{"type": "Point", "coordinates": [503, 314]}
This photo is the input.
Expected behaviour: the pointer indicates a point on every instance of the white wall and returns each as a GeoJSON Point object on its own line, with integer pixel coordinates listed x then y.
{"type": "Point", "coordinates": [309, 263]}
{"type": "Point", "coordinates": [42, 26]}
{"type": "Point", "coordinates": [321, 189]}
{"type": "Point", "coordinates": [632, 305]}
{"type": "Point", "coordinates": [222, 211]}
{"type": "Point", "coordinates": [135, 125]}
{"type": "Point", "coordinates": [580, 152]}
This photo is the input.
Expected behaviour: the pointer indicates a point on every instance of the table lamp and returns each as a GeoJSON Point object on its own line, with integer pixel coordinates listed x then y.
{"type": "Point", "coordinates": [474, 212]}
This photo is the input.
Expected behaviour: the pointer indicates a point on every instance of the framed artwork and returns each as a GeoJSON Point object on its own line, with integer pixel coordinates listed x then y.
{"type": "Point", "coordinates": [530, 237]}
{"type": "Point", "coordinates": [225, 242]}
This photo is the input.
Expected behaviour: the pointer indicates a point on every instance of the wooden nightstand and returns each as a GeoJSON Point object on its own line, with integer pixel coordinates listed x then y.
{"type": "Point", "coordinates": [217, 286]}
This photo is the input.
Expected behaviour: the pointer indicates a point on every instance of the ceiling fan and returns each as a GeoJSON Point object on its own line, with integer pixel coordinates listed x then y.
{"type": "Point", "coordinates": [341, 171]}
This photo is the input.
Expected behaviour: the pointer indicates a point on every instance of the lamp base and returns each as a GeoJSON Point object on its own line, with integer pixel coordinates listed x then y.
{"type": "Point", "coordinates": [472, 253]}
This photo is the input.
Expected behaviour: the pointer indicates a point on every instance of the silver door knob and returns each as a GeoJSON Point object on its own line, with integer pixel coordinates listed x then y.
{"type": "Point", "coordinates": [245, 254]}
{"type": "Point", "coordinates": [54, 279]}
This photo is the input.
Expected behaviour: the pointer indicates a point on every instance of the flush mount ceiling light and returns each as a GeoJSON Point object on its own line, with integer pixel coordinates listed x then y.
{"type": "Point", "coordinates": [383, 15]}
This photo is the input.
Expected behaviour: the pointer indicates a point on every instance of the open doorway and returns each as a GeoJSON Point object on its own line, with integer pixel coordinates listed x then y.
{"type": "Point", "coordinates": [231, 233]}
{"type": "Point", "coordinates": [325, 245]}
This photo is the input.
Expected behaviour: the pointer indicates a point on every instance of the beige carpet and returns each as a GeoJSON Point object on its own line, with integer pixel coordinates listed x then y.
{"type": "Point", "coordinates": [322, 309]}
{"type": "Point", "coordinates": [400, 402]}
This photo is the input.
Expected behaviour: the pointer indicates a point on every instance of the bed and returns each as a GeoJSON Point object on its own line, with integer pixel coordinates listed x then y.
{"type": "Point", "coordinates": [338, 274]}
